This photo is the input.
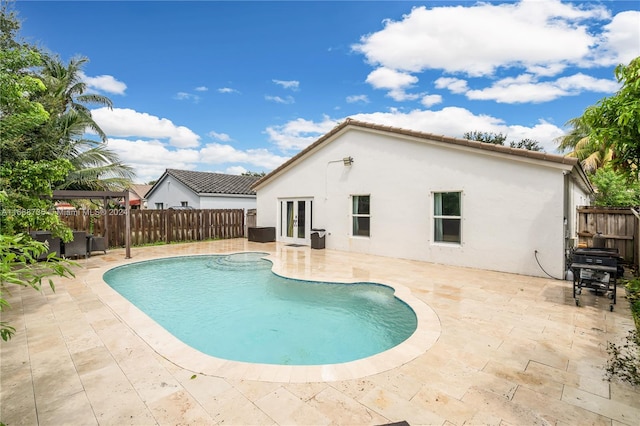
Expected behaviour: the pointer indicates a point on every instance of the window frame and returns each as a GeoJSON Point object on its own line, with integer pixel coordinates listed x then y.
{"type": "Point", "coordinates": [443, 216]}
{"type": "Point", "coordinates": [354, 215]}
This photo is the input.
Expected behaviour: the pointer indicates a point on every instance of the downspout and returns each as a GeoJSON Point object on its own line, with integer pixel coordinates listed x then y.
{"type": "Point", "coordinates": [567, 217]}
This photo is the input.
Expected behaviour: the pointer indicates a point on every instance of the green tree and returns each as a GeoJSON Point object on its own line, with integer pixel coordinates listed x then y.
{"type": "Point", "coordinates": [613, 189]}
{"type": "Point", "coordinates": [254, 174]}
{"type": "Point", "coordinates": [529, 144]}
{"type": "Point", "coordinates": [615, 121]}
{"type": "Point", "coordinates": [23, 182]}
{"type": "Point", "coordinates": [26, 202]}
{"type": "Point", "coordinates": [486, 137]}
{"type": "Point", "coordinates": [591, 153]}
{"type": "Point", "coordinates": [500, 139]}
{"type": "Point", "coordinates": [44, 114]}
{"type": "Point", "coordinates": [19, 112]}
{"type": "Point", "coordinates": [95, 166]}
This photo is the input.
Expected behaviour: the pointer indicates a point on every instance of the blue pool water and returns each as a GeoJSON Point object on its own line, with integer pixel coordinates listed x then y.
{"type": "Point", "coordinates": [234, 307]}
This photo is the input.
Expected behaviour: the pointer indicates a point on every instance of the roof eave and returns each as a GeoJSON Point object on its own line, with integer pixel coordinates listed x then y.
{"type": "Point", "coordinates": [516, 153]}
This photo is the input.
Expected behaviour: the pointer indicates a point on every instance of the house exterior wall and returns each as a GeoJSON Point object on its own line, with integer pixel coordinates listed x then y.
{"type": "Point", "coordinates": [577, 196]}
{"type": "Point", "coordinates": [511, 208]}
{"type": "Point", "coordinates": [228, 202]}
{"type": "Point", "coordinates": [171, 192]}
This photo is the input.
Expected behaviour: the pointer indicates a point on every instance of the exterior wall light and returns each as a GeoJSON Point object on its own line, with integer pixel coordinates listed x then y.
{"type": "Point", "coordinates": [347, 161]}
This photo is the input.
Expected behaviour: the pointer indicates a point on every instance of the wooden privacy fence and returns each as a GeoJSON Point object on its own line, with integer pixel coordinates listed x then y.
{"type": "Point", "coordinates": [158, 226]}
{"type": "Point", "coordinates": [619, 227]}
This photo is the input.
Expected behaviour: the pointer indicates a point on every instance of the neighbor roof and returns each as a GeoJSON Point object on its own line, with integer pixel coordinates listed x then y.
{"type": "Point", "coordinates": [139, 190]}
{"type": "Point", "coordinates": [349, 122]}
{"type": "Point", "coordinates": [212, 183]}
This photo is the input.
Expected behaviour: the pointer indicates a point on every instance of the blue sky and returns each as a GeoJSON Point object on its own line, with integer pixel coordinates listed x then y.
{"type": "Point", "coordinates": [243, 86]}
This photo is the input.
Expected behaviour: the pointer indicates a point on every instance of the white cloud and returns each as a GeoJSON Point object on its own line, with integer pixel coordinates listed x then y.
{"type": "Point", "coordinates": [431, 100]}
{"type": "Point", "coordinates": [455, 85]}
{"type": "Point", "coordinates": [526, 88]}
{"type": "Point", "coordinates": [227, 90]}
{"type": "Point", "coordinates": [279, 100]}
{"type": "Point", "coordinates": [357, 98]}
{"type": "Point", "coordinates": [450, 121]}
{"type": "Point", "coordinates": [288, 84]}
{"type": "Point", "coordinates": [235, 170]}
{"type": "Point", "coordinates": [216, 153]}
{"type": "Point", "coordinates": [184, 96]}
{"type": "Point", "coordinates": [455, 122]}
{"type": "Point", "coordinates": [543, 132]}
{"type": "Point", "coordinates": [540, 38]}
{"type": "Point", "coordinates": [201, 89]}
{"type": "Point", "coordinates": [397, 82]}
{"type": "Point", "coordinates": [125, 122]}
{"type": "Point", "coordinates": [104, 83]}
{"type": "Point", "coordinates": [620, 39]}
{"type": "Point", "coordinates": [298, 134]}
{"type": "Point", "coordinates": [400, 95]}
{"type": "Point", "coordinates": [581, 81]}
{"type": "Point", "coordinates": [386, 78]}
{"type": "Point", "coordinates": [459, 39]}
{"type": "Point", "coordinates": [150, 158]}
{"type": "Point", "coordinates": [223, 137]}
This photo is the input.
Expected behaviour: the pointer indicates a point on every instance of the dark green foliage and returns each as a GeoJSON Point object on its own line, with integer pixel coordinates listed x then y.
{"type": "Point", "coordinates": [255, 174]}
{"type": "Point", "coordinates": [486, 137]}
{"type": "Point", "coordinates": [500, 139]}
{"type": "Point", "coordinates": [529, 144]}
{"type": "Point", "coordinates": [24, 203]}
{"type": "Point", "coordinates": [615, 121]}
{"type": "Point", "coordinates": [614, 189]}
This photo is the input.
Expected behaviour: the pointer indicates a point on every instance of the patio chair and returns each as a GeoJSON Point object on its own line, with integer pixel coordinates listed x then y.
{"type": "Point", "coordinates": [45, 236]}
{"type": "Point", "coordinates": [78, 246]}
{"type": "Point", "coordinates": [97, 244]}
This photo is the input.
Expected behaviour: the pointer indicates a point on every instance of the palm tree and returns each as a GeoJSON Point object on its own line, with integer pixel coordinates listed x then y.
{"type": "Point", "coordinates": [66, 90]}
{"type": "Point", "coordinates": [66, 100]}
{"type": "Point", "coordinates": [591, 153]}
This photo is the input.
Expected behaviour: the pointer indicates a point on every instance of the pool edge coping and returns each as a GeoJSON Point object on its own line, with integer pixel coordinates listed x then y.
{"type": "Point", "coordinates": [162, 342]}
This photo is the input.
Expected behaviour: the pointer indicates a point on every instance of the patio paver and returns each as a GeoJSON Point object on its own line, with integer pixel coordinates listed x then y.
{"type": "Point", "coordinates": [503, 349]}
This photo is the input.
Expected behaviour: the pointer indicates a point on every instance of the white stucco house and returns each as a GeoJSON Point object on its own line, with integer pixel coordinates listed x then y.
{"type": "Point", "coordinates": [202, 190]}
{"type": "Point", "coordinates": [407, 194]}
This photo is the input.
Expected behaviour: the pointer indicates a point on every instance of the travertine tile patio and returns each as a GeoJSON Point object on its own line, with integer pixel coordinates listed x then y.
{"type": "Point", "coordinates": [491, 348]}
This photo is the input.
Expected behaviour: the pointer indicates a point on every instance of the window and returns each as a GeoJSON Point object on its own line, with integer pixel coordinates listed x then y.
{"type": "Point", "coordinates": [447, 217]}
{"type": "Point", "coordinates": [361, 215]}
{"type": "Point", "coordinates": [159, 206]}
{"type": "Point", "coordinates": [184, 203]}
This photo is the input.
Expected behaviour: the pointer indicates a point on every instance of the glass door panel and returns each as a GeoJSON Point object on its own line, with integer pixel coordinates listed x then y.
{"type": "Point", "coordinates": [301, 218]}
{"type": "Point", "coordinates": [295, 219]}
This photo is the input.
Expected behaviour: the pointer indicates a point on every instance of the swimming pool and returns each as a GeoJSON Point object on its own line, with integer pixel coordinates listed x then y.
{"type": "Point", "coordinates": [234, 307]}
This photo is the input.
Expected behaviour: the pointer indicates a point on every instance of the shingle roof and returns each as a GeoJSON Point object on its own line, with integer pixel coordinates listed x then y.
{"type": "Point", "coordinates": [214, 183]}
{"type": "Point", "coordinates": [349, 122]}
{"type": "Point", "coordinates": [139, 190]}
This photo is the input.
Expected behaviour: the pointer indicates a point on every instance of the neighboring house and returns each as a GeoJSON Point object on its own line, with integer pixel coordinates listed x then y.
{"type": "Point", "coordinates": [407, 194]}
{"type": "Point", "coordinates": [137, 196]}
{"type": "Point", "coordinates": [202, 190]}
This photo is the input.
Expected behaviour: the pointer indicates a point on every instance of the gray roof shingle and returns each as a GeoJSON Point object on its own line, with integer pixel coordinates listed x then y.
{"type": "Point", "coordinates": [214, 183]}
